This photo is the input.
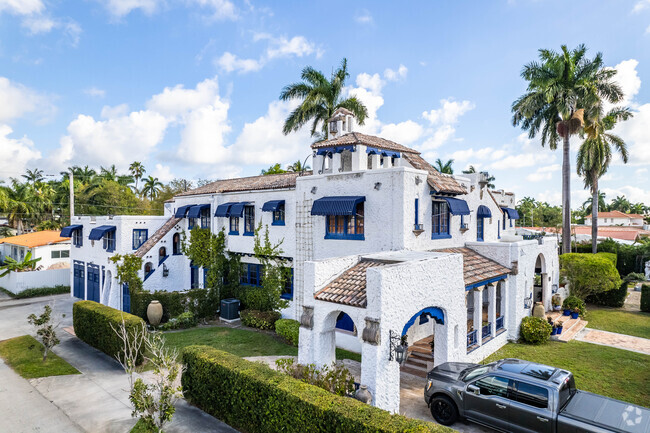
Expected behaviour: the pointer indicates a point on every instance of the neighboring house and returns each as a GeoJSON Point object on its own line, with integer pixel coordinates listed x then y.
{"type": "Point", "coordinates": [627, 235]}
{"type": "Point", "coordinates": [380, 245]}
{"type": "Point", "coordinates": [616, 218]}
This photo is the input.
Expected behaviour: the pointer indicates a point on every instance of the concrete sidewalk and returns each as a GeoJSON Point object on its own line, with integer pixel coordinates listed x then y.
{"type": "Point", "coordinates": [612, 339]}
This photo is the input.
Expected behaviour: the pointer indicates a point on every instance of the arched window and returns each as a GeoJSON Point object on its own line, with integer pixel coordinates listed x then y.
{"type": "Point", "coordinates": [148, 269]}
{"type": "Point", "coordinates": [162, 254]}
{"type": "Point", "coordinates": [176, 240]}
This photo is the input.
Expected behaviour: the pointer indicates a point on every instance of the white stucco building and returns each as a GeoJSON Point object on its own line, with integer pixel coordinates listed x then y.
{"type": "Point", "coordinates": [616, 218]}
{"type": "Point", "coordinates": [381, 245]}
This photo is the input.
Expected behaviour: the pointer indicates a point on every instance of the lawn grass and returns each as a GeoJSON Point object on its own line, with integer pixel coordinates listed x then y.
{"type": "Point", "coordinates": [25, 355]}
{"type": "Point", "coordinates": [37, 291]}
{"type": "Point", "coordinates": [619, 321]}
{"type": "Point", "coordinates": [615, 373]}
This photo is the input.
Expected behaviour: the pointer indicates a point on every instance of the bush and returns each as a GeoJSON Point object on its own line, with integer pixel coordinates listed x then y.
{"type": "Point", "coordinates": [634, 276]}
{"type": "Point", "coordinates": [611, 298]}
{"type": "Point", "coordinates": [201, 303]}
{"type": "Point", "coordinates": [182, 321]}
{"type": "Point", "coordinates": [257, 298]}
{"type": "Point", "coordinates": [334, 378]}
{"type": "Point", "coordinates": [38, 291]}
{"type": "Point", "coordinates": [92, 325]}
{"type": "Point", "coordinates": [535, 330]}
{"type": "Point", "coordinates": [253, 398]}
{"type": "Point", "coordinates": [588, 273]}
{"type": "Point", "coordinates": [260, 319]}
{"type": "Point", "coordinates": [573, 303]}
{"type": "Point", "coordinates": [612, 257]}
{"type": "Point", "coordinates": [645, 298]}
{"type": "Point", "coordinates": [288, 329]}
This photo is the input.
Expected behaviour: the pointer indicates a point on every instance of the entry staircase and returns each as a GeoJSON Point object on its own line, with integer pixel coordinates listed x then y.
{"type": "Point", "coordinates": [419, 360]}
{"type": "Point", "coordinates": [570, 328]}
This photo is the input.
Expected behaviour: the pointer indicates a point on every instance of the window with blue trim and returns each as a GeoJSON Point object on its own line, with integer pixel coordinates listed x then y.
{"type": "Point", "coordinates": [480, 227]}
{"type": "Point", "coordinates": [251, 274]}
{"type": "Point", "coordinates": [109, 241]}
{"type": "Point", "coordinates": [77, 237]}
{"type": "Point", "coordinates": [249, 220]}
{"type": "Point", "coordinates": [205, 218]}
{"type": "Point", "coordinates": [234, 226]}
{"type": "Point", "coordinates": [278, 216]}
{"type": "Point", "coordinates": [140, 236]}
{"type": "Point", "coordinates": [440, 220]}
{"type": "Point", "coordinates": [346, 226]}
{"type": "Point", "coordinates": [287, 292]}
{"type": "Point", "coordinates": [191, 223]}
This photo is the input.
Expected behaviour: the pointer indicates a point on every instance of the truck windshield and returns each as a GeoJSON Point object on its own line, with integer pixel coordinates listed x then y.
{"type": "Point", "coordinates": [567, 390]}
{"type": "Point", "coordinates": [475, 372]}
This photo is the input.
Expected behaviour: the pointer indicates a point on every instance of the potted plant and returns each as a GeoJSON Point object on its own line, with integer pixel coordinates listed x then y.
{"type": "Point", "coordinates": [567, 312]}
{"type": "Point", "coordinates": [575, 313]}
{"type": "Point", "coordinates": [555, 300]}
{"type": "Point", "coordinates": [573, 303]}
{"type": "Point", "coordinates": [560, 325]}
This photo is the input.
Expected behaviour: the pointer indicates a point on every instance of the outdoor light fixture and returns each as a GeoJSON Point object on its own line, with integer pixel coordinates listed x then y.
{"type": "Point", "coordinates": [165, 270]}
{"type": "Point", "coordinates": [528, 302]}
{"type": "Point", "coordinates": [554, 288]}
{"type": "Point", "coordinates": [398, 346]}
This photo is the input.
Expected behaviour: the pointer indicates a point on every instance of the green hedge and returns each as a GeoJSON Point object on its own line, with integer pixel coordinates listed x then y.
{"type": "Point", "coordinates": [260, 319]}
{"type": "Point", "coordinates": [645, 298]}
{"type": "Point", "coordinates": [611, 298]}
{"type": "Point", "coordinates": [612, 257]}
{"type": "Point", "coordinates": [288, 329]}
{"type": "Point", "coordinates": [629, 258]}
{"type": "Point", "coordinates": [92, 325]}
{"type": "Point", "coordinates": [201, 303]}
{"type": "Point", "coordinates": [252, 397]}
{"type": "Point", "coordinates": [588, 274]}
{"type": "Point", "coordinates": [38, 291]}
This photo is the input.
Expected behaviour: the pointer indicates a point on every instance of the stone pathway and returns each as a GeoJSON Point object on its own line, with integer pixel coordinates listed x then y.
{"type": "Point", "coordinates": [619, 341]}
{"type": "Point", "coordinates": [633, 301]}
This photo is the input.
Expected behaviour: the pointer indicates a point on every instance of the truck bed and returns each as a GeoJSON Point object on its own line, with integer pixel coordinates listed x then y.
{"type": "Point", "coordinates": [605, 413]}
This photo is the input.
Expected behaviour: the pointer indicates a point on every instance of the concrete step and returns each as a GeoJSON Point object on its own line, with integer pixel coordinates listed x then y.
{"type": "Point", "coordinates": [575, 329]}
{"type": "Point", "coordinates": [414, 371]}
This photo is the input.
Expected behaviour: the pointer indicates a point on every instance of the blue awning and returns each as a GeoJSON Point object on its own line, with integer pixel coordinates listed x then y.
{"type": "Point", "coordinates": [195, 211]}
{"type": "Point", "coordinates": [335, 149]}
{"type": "Point", "coordinates": [223, 210]}
{"type": "Point", "coordinates": [456, 205]}
{"type": "Point", "coordinates": [382, 152]}
{"type": "Point", "coordinates": [66, 232]}
{"type": "Point", "coordinates": [272, 206]}
{"type": "Point", "coordinates": [512, 213]}
{"type": "Point", "coordinates": [237, 209]}
{"type": "Point", "coordinates": [181, 211]}
{"type": "Point", "coordinates": [337, 205]}
{"type": "Point", "coordinates": [483, 212]}
{"type": "Point", "coordinates": [98, 232]}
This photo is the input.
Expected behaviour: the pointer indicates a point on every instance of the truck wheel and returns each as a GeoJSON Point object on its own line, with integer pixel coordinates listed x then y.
{"type": "Point", "coordinates": [444, 410]}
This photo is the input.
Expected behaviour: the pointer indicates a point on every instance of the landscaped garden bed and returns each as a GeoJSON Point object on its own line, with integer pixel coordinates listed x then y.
{"type": "Point", "coordinates": [25, 355]}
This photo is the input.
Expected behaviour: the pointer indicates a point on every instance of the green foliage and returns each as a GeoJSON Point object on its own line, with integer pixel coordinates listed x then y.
{"type": "Point", "coordinates": [196, 301]}
{"type": "Point", "coordinates": [288, 329]}
{"type": "Point", "coordinates": [612, 257]}
{"type": "Point", "coordinates": [334, 378]}
{"type": "Point", "coordinates": [588, 274]}
{"type": "Point", "coordinates": [574, 303]}
{"type": "Point", "coordinates": [535, 330]}
{"type": "Point", "coordinates": [38, 291]}
{"type": "Point", "coordinates": [540, 214]}
{"type": "Point", "coordinates": [45, 329]}
{"type": "Point", "coordinates": [11, 265]}
{"type": "Point", "coordinates": [93, 324]}
{"type": "Point", "coordinates": [254, 398]}
{"type": "Point", "coordinates": [274, 169]}
{"type": "Point", "coordinates": [645, 298]}
{"type": "Point", "coordinates": [274, 274]}
{"type": "Point", "coordinates": [634, 276]}
{"type": "Point", "coordinates": [182, 321]}
{"type": "Point", "coordinates": [612, 298]}
{"type": "Point", "coordinates": [629, 258]}
{"type": "Point", "coordinates": [25, 355]}
{"type": "Point", "coordinates": [260, 319]}
{"type": "Point", "coordinates": [127, 271]}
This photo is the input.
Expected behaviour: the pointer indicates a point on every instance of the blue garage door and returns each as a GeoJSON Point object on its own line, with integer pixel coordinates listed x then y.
{"type": "Point", "coordinates": [78, 286]}
{"type": "Point", "coordinates": [93, 282]}
{"type": "Point", "coordinates": [126, 298]}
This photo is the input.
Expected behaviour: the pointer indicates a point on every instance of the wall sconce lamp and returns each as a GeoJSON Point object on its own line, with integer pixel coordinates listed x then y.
{"type": "Point", "coordinates": [554, 288]}
{"type": "Point", "coordinates": [398, 346]}
{"type": "Point", "coordinates": [528, 302]}
{"type": "Point", "coordinates": [165, 270]}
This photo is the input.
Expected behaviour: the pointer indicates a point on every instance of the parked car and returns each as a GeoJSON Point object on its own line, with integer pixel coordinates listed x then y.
{"type": "Point", "coordinates": [512, 395]}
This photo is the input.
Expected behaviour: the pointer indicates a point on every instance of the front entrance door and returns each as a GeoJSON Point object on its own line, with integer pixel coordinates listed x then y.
{"type": "Point", "coordinates": [78, 286]}
{"type": "Point", "coordinates": [92, 282]}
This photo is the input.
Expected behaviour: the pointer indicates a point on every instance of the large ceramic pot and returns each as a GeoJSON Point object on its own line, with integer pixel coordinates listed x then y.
{"type": "Point", "coordinates": [538, 310]}
{"type": "Point", "coordinates": [363, 394]}
{"type": "Point", "coordinates": [154, 313]}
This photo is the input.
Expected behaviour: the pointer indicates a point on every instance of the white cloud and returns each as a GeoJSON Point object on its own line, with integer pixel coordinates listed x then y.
{"type": "Point", "coordinates": [17, 153]}
{"type": "Point", "coordinates": [178, 101]}
{"type": "Point", "coordinates": [641, 5]}
{"type": "Point", "coordinates": [543, 173]}
{"type": "Point", "coordinates": [628, 78]}
{"type": "Point", "coordinates": [203, 137]}
{"type": "Point", "coordinates": [163, 173]}
{"type": "Point", "coordinates": [22, 7]}
{"type": "Point", "coordinates": [17, 100]}
{"type": "Point", "coordinates": [449, 112]}
{"type": "Point", "coordinates": [364, 17]}
{"type": "Point", "coordinates": [109, 112]}
{"type": "Point", "coordinates": [297, 46]}
{"type": "Point", "coordinates": [476, 156]}
{"type": "Point", "coordinates": [120, 8]}
{"type": "Point", "coordinates": [95, 92]}
{"type": "Point", "coordinates": [399, 74]}
{"type": "Point", "coordinates": [39, 24]}
{"type": "Point", "coordinates": [229, 62]}
{"type": "Point", "coordinates": [405, 133]}
{"type": "Point", "coordinates": [632, 193]}
{"type": "Point", "coordinates": [221, 9]}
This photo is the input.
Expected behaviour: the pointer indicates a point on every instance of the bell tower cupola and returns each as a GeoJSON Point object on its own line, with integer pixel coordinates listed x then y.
{"type": "Point", "coordinates": [341, 123]}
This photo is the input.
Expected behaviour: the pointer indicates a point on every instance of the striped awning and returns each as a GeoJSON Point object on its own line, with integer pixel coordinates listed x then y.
{"type": "Point", "coordinates": [195, 211]}
{"type": "Point", "coordinates": [512, 213]}
{"type": "Point", "coordinates": [99, 232]}
{"type": "Point", "coordinates": [483, 212]}
{"type": "Point", "coordinates": [66, 232]}
{"type": "Point", "coordinates": [456, 205]}
{"type": "Point", "coordinates": [272, 206]}
{"type": "Point", "coordinates": [181, 211]}
{"type": "Point", "coordinates": [336, 205]}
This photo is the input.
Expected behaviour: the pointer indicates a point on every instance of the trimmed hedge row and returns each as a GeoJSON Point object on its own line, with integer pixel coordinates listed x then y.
{"type": "Point", "coordinates": [201, 303]}
{"type": "Point", "coordinates": [288, 329]}
{"type": "Point", "coordinates": [92, 325]}
{"type": "Point", "coordinates": [645, 298]}
{"type": "Point", "coordinates": [611, 298]}
{"type": "Point", "coordinates": [254, 398]}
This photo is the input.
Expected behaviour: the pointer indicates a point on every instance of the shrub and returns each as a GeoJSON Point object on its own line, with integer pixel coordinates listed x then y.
{"type": "Point", "coordinates": [588, 273]}
{"type": "Point", "coordinates": [201, 303]}
{"type": "Point", "coordinates": [252, 397]}
{"type": "Point", "coordinates": [645, 298]}
{"type": "Point", "coordinates": [535, 330]}
{"type": "Point", "coordinates": [42, 291]}
{"type": "Point", "coordinates": [634, 276]}
{"type": "Point", "coordinates": [260, 319]}
{"type": "Point", "coordinates": [92, 325]}
{"type": "Point", "coordinates": [182, 321]}
{"type": "Point", "coordinates": [334, 378]}
{"type": "Point", "coordinates": [611, 298]}
{"type": "Point", "coordinates": [288, 329]}
{"type": "Point", "coordinates": [573, 303]}
{"type": "Point", "coordinates": [612, 257]}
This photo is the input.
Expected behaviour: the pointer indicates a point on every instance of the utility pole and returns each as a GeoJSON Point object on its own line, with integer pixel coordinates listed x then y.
{"type": "Point", "coordinates": [70, 177]}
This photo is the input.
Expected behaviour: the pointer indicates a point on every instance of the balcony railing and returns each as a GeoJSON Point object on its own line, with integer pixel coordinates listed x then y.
{"type": "Point", "coordinates": [499, 322]}
{"type": "Point", "coordinates": [487, 330]}
{"type": "Point", "coordinates": [472, 338]}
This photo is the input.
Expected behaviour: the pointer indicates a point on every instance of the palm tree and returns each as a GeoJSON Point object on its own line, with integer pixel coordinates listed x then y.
{"type": "Point", "coordinates": [297, 167]}
{"type": "Point", "coordinates": [274, 169]}
{"type": "Point", "coordinates": [34, 176]}
{"type": "Point", "coordinates": [151, 187]}
{"type": "Point", "coordinates": [602, 205]}
{"type": "Point", "coordinates": [470, 170]}
{"type": "Point", "coordinates": [12, 265]}
{"type": "Point", "coordinates": [595, 155]}
{"type": "Point", "coordinates": [444, 167]}
{"type": "Point", "coordinates": [320, 98]}
{"type": "Point", "coordinates": [620, 203]}
{"type": "Point", "coordinates": [137, 170]}
{"type": "Point", "coordinates": [20, 204]}
{"type": "Point", "coordinates": [560, 87]}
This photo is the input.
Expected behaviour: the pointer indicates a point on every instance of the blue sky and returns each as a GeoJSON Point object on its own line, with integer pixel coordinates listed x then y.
{"type": "Point", "coordinates": [190, 87]}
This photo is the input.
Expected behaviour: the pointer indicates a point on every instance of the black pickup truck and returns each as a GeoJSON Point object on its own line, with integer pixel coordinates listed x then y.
{"type": "Point", "coordinates": [511, 395]}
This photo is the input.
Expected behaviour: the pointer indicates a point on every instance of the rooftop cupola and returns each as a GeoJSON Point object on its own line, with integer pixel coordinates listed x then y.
{"type": "Point", "coordinates": [341, 123]}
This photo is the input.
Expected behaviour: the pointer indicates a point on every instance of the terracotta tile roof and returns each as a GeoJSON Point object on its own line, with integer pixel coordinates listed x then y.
{"type": "Point", "coordinates": [624, 233]}
{"type": "Point", "coordinates": [36, 239]}
{"type": "Point", "coordinates": [440, 182]}
{"type": "Point", "coordinates": [367, 140]}
{"type": "Point", "coordinates": [350, 287]}
{"type": "Point", "coordinates": [270, 181]}
{"type": "Point", "coordinates": [157, 236]}
{"type": "Point", "coordinates": [477, 268]}
{"type": "Point", "coordinates": [616, 214]}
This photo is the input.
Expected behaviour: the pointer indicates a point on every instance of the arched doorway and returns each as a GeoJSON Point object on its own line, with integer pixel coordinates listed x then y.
{"type": "Point", "coordinates": [424, 343]}
{"type": "Point", "coordinates": [338, 331]}
{"type": "Point", "coordinates": [540, 282]}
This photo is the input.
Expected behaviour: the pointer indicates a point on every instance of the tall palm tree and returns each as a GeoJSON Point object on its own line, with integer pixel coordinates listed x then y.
{"type": "Point", "coordinates": [34, 176]}
{"type": "Point", "coordinates": [595, 155]}
{"type": "Point", "coordinates": [20, 205]}
{"type": "Point", "coordinates": [320, 98]}
{"type": "Point", "coordinates": [297, 167]}
{"type": "Point", "coordinates": [445, 167]}
{"type": "Point", "coordinates": [560, 87]}
{"type": "Point", "coordinates": [151, 187]}
{"type": "Point", "coordinates": [137, 171]}
{"type": "Point", "coordinates": [620, 203]}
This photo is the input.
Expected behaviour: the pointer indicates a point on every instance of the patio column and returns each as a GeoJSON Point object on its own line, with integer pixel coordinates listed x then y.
{"type": "Point", "coordinates": [381, 375]}
{"type": "Point", "coordinates": [336, 162]}
{"type": "Point", "coordinates": [318, 163]}
{"type": "Point", "coordinates": [388, 162]}
{"type": "Point", "coordinates": [478, 313]}
{"type": "Point", "coordinates": [545, 297]}
{"type": "Point", "coordinates": [359, 158]}
{"type": "Point", "coordinates": [374, 161]}
{"type": "Point", "coordinates": [492, 308]}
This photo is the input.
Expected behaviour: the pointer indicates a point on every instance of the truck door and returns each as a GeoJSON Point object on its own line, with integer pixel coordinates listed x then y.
{"type": "Point", "coordinates": [486, 401]}
{"type": "Point", "coordinates": [529, 410]}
